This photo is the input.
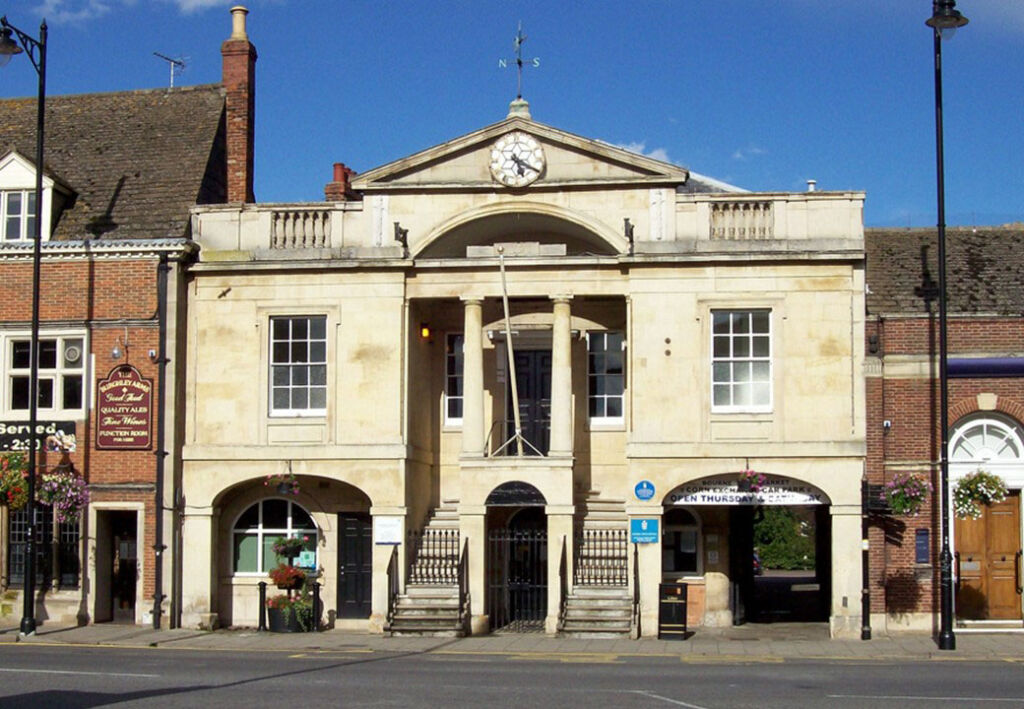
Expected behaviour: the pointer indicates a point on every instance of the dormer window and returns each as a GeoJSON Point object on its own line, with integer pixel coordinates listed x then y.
{"type": "Point", "coordinates": [18, 208]}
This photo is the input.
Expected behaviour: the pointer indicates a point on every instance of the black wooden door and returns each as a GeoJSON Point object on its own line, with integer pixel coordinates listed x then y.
{"type": "Point", "coordinates": [533, 380]}
{"type": "Point", "coordinates": [355, 565]}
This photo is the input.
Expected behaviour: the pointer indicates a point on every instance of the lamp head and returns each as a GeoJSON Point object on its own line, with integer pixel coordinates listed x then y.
{"type": "Point", "coordinates": [945, 18]}
{"type": "Point", "coordinates": [8, 47]}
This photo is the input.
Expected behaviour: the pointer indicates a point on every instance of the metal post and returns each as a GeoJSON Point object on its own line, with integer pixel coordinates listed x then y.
{"type": "Point", "coordinates": [316, 607]}
{"type": "Point", "coordinates": [947, 641]}
{"type": "Point", "coordinates": [36, 50]}
{"type": "Point", "coordinates": [263, 606]}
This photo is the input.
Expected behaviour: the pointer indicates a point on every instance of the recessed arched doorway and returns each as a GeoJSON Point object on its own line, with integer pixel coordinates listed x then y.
{"type": "Point", "coordinates": [517, 554]}
{"type": "Point", "coordinates": [767, 538]}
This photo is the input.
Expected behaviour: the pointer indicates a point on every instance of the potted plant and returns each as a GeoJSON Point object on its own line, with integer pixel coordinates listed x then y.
{"type": "Point", "coordinates": [288, 577]}
{"type": "Point", "coordinates": [290, 614]}
{"type": "Point", "coordinates": [65, 490]}
{"type": "Point", "coordinates": [905, 493]}
{"type": "Point", "coordinates": [751, 481]}
{"type": "Point", "coordinates": [289, 547]}
{"type": "Point", "coordinates": [284, 483]}
{"type": "Point", "coordinates": [13, 482]}
{"type": "Point", "coordinates": [976, 489]}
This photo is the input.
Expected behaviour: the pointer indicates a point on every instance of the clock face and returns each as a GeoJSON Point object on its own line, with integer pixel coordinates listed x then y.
{"type": "Point", "coordinates": [517, 159]}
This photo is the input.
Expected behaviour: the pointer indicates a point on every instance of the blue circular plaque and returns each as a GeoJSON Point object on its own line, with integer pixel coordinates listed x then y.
{"type": "Point", "coordinates": [644, 490]}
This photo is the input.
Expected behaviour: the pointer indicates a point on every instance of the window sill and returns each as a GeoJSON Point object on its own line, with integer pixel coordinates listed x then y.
{"type": "Point", "coordinates": [606, 425]}
{"type": "Point", "coordinates": [303, 415]}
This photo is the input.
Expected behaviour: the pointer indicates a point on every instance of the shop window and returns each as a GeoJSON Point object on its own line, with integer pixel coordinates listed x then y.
{"type": "Point", "coordinates": [453, 381]}
{"type": "Point", "coordinates": [61, 382]}
{"type": "Point", "coordinates": [260, 525]}
{"type": "Point", "coordinates": [741, 363]}
{"type": "Point", "coordinates": [60, 562]}
{"type": "Point", "coordinates": [605, 375]}
{"type": "Point", "coordinates": [680, 543]}
{"type": "Point", "coordinates": [298, 365]}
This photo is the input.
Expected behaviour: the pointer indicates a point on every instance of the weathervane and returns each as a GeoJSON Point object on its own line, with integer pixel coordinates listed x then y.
{"type": "Point", "coordinates": [535, 61]}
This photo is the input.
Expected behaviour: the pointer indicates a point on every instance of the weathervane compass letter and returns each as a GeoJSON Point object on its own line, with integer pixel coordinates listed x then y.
{"type": "Point", "coordinates": [534, 61]}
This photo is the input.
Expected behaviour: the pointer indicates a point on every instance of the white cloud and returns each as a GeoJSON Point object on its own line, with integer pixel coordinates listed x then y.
{"type": "Point", "coordinates": [641, 148]}
{"type": "Point", "coordinates": [59, 11]}
{"type": "Point", "coordinates": [187, 6]}
{"type": "Point", "coordinates": [744, 153]}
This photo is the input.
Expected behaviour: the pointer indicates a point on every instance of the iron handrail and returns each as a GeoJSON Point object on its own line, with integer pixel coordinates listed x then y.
{"type": "Point", "coordinates": [464, 584]}
{"type": "Point", "coordinates": [393, 585]}
{"type": "Point", "coordinates": [636, 592]}
{"type": "Point", "coordinates": [563, 573]}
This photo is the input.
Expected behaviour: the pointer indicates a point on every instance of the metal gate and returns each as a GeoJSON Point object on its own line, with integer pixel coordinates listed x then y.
{"type": "Point", "coordinates": [517, 579]}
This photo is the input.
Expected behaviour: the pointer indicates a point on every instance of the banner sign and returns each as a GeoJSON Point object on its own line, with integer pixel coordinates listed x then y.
{"type": "Point", "coordinates": [124, 410]}
{"type": "Point", "coordinates": [54, 436]}
{"type": "Point", "coordinates": [725, 490]}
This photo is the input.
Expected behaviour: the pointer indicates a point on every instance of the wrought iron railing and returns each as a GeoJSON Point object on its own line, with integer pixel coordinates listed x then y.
{"type": "Point", "coordinates": [434, 556]}
{"type": "Point", "coordinates": [601, 557]}
{"type": "Point", "coordinates": [393, 585]}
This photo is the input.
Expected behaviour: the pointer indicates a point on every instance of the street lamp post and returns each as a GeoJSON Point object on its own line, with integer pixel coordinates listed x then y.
{"type": "Point", "coordinates": [36, 50]}
{"type": "Point", "coordinates": [944, 21]}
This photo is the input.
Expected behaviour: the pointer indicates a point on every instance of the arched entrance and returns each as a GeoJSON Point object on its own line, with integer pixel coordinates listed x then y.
{"type": "Point", "coordinates": [517, 556]}
{"type": "Point", "coordinates": [988, 550]}
{"type": "Point", "coordinates": [768, 535]}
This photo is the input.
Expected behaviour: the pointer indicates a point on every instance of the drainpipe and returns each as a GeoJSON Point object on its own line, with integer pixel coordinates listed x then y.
{"type": "Point", "coordinates": [161, 453]}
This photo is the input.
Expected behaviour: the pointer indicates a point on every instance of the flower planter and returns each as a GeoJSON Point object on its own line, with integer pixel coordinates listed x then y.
{"type": "Point", "coordinates": [293, 586]}
{"type": "Point", "coordinates": [279, 621]}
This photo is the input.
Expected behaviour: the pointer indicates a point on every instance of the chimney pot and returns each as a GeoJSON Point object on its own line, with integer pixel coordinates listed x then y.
{"type": "Point", "coordinates": [238, 13]}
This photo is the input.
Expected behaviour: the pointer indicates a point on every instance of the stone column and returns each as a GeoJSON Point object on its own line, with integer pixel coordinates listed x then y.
{"type": "Point", "coordinates": [560, 531]}
{"type": "Point", "coordinates": [473, 527]}
{"type": "Point", "coordinates": [561, 378]}
{"type": "Point", "coordinates": [199, 572]}
{"type": "Point", "coordinates": [845, 616]}
{"type": "Point", "coordinates": [473, 379]}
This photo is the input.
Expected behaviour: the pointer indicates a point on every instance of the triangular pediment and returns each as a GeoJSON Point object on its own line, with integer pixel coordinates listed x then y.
{"type": "Point", "coordinates": [569, 160]}
{"type": "Point", "coordinates": [18, 172]}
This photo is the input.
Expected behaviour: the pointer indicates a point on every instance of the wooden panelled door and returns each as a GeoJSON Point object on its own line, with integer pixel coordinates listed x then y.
{"type": "Point", "coordinates": [355, 565]}
{"type": "Point", "coordinates": [988, 557]}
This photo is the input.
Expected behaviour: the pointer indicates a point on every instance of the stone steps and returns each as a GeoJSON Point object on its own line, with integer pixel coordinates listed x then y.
{"type": "Point", "coordinates": [598, 612]}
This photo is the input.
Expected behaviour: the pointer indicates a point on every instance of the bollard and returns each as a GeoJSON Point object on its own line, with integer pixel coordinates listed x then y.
{"type": "Point", "coordinates": [316, 607]}
{"type": "Point", "coordinates": [263, 606]}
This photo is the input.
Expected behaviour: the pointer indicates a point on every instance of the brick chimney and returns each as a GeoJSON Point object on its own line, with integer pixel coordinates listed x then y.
{"type": "Point", "coordinates": [239, 74]}
{"type": "Point", "coordinates": [340, 189]}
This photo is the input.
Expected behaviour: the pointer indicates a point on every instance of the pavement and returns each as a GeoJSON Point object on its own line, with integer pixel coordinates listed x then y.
{"type": "Point", "coordinates": [777, 642]}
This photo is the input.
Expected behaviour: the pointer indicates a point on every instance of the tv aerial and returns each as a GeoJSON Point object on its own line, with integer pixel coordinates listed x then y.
{"type": "Point", "coordinates": [177, 66]}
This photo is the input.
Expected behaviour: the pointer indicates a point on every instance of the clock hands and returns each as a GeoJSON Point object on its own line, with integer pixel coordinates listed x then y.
{"type": "Point", "coordinates": [522, 165]}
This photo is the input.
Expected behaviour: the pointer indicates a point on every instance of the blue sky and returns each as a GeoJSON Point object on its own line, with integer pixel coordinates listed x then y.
{"type": "Point", "coordinates": [764, 94]}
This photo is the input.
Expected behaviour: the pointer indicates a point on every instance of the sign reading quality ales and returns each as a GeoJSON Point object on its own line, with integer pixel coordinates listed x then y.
{"type": "Point", "coordinates": [124, 409]}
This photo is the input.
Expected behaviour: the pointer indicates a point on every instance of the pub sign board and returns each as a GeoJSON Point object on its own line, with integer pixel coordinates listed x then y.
{"type": "Point", "coordinates": [124, 410]}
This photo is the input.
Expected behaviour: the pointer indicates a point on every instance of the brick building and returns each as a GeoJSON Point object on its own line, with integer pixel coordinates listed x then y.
{"type": "Point", "coordinates": [121, 172]}
{"type": "Point", "coordinates": [986, 411]}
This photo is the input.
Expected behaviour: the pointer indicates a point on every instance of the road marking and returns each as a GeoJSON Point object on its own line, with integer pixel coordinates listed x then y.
{"type": "Point", "coordinates": [72, 672]}
{"type": "Point", "coordinates": [678, 703]}
{"type": "Point", "coordinates": [911, 698]}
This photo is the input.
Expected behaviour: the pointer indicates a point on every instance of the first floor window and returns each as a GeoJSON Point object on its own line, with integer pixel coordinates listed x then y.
{"type": "Point", "coordinates": [18, 208]}
{"type": "Point", "coordinates": [61, 363]}
{"type": "Point", "coordinates": [58, 562]}
{"type": "Point", "coordinates": [261, 525]}
{"type": "Point", "coordinates": [741, 365]}
{"type": "Point", "coordinates": [298, 365]}
{"type": "Point", "coordinates": [605, 374]}
{"type": "Point", "coordinates": [453, 378]}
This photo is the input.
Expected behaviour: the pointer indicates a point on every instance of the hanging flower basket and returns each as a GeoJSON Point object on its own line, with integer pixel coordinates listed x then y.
{"type": "Point", "coordinates": [284, 483]}
{"type": "Point", "coordinates": [751, 481]}
{"type": "Point", "coordinates": [289, 547]}
{"type": "Point", "coordinates": [976, 489]}
{"type": "Point", "coordinates": [906, 493]}
{"type": "Point", "coordinates": [13, 481]}
{"type": "Point", "coordinates": [65, 490]}
{"type": "Point", "coordinates": [288, 577]}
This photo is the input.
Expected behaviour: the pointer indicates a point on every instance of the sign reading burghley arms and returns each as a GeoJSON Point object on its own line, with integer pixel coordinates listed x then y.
{"type": "Point", "coordinates": [124, 410]}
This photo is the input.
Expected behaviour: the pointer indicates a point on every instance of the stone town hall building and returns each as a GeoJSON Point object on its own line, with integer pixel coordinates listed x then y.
{"type": "Point", "coordinates": [522, 379]}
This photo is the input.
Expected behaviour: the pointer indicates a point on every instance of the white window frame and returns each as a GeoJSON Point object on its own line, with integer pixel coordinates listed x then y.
{"type": "Point", "coordinates": [591, 396]}
{"type": "Point", "coordinates": [454, 357]}
{"type": "Point", "coordinates": [742, 360]}
{"type": "Point", "coordinates": [261, 533]}
{"type": "Point", "coordinates": [18, 174]}
{"type": "Point", "coordinates": [26, 215]}
{"type": "Point", "coordinates": [309, 411]}
{"type": "Point", "coordinates": [64, 340]}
